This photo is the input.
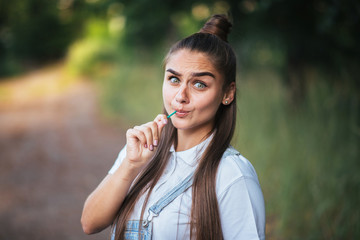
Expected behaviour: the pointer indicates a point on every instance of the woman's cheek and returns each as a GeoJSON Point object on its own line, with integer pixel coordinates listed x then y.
{"type": "Point", "coordinates": [207, 105]}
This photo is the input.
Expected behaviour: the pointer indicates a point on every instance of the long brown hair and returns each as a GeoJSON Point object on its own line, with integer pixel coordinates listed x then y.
{"type": "Point", "coordinates": [205, 217]}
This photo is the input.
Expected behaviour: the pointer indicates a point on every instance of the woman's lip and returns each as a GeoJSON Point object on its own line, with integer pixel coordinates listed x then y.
{"type": "Point", "coordinates": [181, 113]}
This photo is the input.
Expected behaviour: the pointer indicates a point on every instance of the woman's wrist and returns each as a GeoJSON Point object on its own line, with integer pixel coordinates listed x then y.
{"type": "Point", "coordinates": [128, 171]}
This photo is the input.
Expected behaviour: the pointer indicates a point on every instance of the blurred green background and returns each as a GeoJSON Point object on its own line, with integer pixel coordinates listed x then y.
{"type": "Point", "coordinates": [298, 86]}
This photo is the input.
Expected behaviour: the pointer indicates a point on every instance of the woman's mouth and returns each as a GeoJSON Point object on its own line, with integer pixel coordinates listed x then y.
{"type": "Point", "coordinates": [181, 113]}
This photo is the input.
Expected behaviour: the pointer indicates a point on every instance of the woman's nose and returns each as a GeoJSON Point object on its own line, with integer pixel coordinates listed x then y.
{"type": "Point", "coordinates": [182, 95]}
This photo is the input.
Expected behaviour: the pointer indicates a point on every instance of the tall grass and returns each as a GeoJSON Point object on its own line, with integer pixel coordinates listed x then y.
{"type": "Point", "coordinates": [307, 157]}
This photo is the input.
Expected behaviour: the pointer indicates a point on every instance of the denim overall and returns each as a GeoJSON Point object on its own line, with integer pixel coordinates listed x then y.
{"type": "Point", "coordinates": [144, 232]}
{"type": "Point", "coordinates": [132, 226]}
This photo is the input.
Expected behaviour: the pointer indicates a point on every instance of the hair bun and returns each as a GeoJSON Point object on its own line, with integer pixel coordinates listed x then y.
{"type": "Point", "coordinates": [218, 25]}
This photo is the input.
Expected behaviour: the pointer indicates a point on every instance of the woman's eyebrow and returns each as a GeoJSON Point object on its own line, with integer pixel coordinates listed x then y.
{"type": "Point", "coordinates": [200, 74]}
{"type": "Point", "coordinates": [197, 74]}
{"type": "Point", "coordinates": [173, 72]}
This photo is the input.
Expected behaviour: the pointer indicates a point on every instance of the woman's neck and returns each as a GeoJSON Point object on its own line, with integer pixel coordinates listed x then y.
{"type": "Point", "coordinates": [187, 139]}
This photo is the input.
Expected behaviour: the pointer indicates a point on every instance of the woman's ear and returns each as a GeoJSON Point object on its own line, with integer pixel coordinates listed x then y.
{"type": "Point", "coordinates": [229, 94]}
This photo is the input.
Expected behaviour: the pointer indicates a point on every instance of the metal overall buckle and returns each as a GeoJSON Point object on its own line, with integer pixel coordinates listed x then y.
{"type": "Point", "coordinates": [149, 218]}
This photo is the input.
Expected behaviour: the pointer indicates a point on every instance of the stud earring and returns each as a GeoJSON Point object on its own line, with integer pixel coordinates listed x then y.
{"type": "Point", "coordinates": [226, 102]}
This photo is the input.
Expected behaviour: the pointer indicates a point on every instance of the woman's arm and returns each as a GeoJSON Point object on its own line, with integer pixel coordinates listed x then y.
{"type": "Point", "coordinates": [103, 203]}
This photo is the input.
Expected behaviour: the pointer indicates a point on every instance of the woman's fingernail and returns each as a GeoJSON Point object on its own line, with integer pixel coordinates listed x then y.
{"type": "Point", "coordinates": [145, 145]}
{"type": "Point", "coordinates": [151, 147]}
{"type": "Point", "coordinates": [165, 121]}
{"type": "Point", "coordinates": [155, 143]}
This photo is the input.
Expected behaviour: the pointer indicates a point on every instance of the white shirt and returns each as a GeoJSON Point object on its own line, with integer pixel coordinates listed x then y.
{"type": "Point", "coordinates": [240, 199]}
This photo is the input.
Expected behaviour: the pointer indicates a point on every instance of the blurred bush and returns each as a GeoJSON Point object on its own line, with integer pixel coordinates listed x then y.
{"type": "Point", "coordinates": [36, 31]}
{"type": "Point", "coordinates": [306, 158]}
{"type": "Point", "coordinates": [95, 51]}
{"type": "Point", "coordinates": [133, 92]}
{"type": "Point", "coordinates": [89, 57]}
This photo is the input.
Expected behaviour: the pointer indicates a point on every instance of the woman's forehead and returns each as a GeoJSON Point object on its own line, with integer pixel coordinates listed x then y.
{"type": "Point", "coordinates": [190, 60]}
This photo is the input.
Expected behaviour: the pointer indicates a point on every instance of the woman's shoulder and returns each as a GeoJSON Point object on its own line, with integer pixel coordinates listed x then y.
{"type": "Point", "coordinates": [234, 167]}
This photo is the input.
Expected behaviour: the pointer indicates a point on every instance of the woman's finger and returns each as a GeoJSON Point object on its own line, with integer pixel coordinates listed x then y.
{"type": "Point", "coordinates": [138, 134]}
{"type": "Point", "coordinates": [161, 118]}
{"type": "Point", "coordinates": [155, 133]}
{"type": "Point", "coordinates": [161, 121]}
{"type": "Point", "coordinates": [146, 130]}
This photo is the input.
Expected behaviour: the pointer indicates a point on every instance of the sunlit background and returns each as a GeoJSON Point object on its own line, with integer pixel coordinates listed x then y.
{"type": "Point", "coordinates": [75, 74]}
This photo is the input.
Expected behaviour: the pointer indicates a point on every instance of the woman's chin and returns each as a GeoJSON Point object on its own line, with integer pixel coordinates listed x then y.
{"type": "Point", "coordinates": [179, 125]}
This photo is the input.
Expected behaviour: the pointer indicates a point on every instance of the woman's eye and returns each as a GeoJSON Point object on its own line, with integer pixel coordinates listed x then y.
{"type": "Point", "coordinates": [174, 80]}
{"type": "Point", "coordinates": [200, 85]}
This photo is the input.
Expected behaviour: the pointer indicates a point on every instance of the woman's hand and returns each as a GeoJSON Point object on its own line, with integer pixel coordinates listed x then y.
{"type": "Point", "coordinates": [102, 205]}
{"type": "Point", "coordinates": [142, 142]}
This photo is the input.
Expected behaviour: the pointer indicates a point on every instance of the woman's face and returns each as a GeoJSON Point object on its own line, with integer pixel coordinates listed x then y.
{"type": "Point", "coordinates": [192, 87]}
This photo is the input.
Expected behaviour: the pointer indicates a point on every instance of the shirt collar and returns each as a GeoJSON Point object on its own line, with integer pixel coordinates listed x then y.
{"type": "Point", "coordinates": [192, 155]}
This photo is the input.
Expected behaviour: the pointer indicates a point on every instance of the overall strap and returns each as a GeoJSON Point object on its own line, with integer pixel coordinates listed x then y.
{"type": "Point", "coordinates": [155, 209]}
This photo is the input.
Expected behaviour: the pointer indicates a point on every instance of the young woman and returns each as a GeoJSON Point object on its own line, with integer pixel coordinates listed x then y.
{"type": "Point", "coordinates": [178, 177]}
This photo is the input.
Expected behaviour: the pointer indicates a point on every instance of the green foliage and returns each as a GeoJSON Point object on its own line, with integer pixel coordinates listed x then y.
{"type": "Point", "coordinates": [185, 24]}
{"type": "Point", "coordinates": [90, 56]}
{"type": "Point", "coordinates": [133, 92]}
{"type": "Point", "coordinates": [35, 31]}
{"type": "Point", "coordinates": [322, 34]}
{"type": "Point", "coordinates": [95, 52]}
{"type": "Point", "coordinates": [307, 159]}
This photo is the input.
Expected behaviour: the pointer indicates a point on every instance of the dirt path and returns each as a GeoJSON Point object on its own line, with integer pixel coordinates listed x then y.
{"type": "Point", "coordinates": [54, 150]}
